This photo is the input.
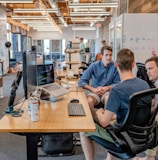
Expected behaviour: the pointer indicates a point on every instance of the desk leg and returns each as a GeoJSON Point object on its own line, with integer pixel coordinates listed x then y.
{"type": "Point", "coordinates": [32, 152]}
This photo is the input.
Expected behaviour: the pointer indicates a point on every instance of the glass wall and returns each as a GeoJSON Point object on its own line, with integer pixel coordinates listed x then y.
{"type": "Point", "coordinates": [54, 50]}
{"type": "Point", "coordinates": [50, 50]}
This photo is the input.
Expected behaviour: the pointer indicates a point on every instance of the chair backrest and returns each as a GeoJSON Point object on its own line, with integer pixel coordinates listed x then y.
{"type": "Point", "coordinates": [139, 125]}
{"type": "Point", "coordinates": [139, 131]}
{"type": "Point", "coordinates": [139, 112]}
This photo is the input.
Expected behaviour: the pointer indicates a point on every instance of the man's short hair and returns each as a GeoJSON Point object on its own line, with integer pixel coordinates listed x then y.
{"type": "Point", "coordinates": [155, 59]}
{"type": "Point", "coordinates": [109, 48]}
{"type": "Point", "coordinates": [103, 41]}
{"type": "Point", "coordinates": [81, 39]}
{"type": "Point", "coordinates": [125, 59]}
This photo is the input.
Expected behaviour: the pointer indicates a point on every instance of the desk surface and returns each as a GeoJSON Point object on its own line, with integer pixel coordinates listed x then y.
{"type": "Point", "coordinates": [53, 117]}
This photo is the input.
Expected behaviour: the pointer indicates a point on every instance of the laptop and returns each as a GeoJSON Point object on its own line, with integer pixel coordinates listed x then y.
{"type": "Point", "coordinates": [45, 79]}
{"type": "Point", "coordinates": [54, 89]}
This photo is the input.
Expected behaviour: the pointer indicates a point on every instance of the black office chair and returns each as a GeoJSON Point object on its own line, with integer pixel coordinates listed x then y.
{"type": "Point", "coordinates": [139, 130]}
{"type": "Point", "coordinates": [84, 66]}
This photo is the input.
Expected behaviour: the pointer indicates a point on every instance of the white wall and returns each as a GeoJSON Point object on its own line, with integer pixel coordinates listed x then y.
{"type": "Point", "coordinates": [3, 39]}
{"type": "Point", "coordinates": [140, 34]}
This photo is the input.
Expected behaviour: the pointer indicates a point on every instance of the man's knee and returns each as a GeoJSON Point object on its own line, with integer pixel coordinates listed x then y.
{"type": "Point", "coordinates": [105, 99]}
{"type": "Point", "coordinates": [91, 100]}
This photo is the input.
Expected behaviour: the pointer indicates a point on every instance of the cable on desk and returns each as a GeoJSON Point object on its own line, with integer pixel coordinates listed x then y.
{"type": "Point", "coordinates": [18, 112]}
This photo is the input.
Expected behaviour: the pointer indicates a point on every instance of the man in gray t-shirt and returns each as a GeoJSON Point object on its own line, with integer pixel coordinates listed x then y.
{"type": "Point", "coordinates": [117, 104]}
{"type": "Point", "coordinates": [82, 51]}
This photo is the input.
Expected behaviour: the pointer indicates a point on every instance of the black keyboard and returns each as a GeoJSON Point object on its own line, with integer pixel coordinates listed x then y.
{"type": "Point", "coordinates": [75, 109]}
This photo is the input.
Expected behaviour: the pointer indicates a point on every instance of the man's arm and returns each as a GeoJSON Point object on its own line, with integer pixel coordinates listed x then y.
{"type": "Point", "coordinates": [88, 87]}
{"type": "Point", "coordinates": [85, 78]}
{"type": "Point", "coordinates": [105, 117]}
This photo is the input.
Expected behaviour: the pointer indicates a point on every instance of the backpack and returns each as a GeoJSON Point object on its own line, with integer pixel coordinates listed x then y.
{"type": "Point", "coordinates": [58, 144]}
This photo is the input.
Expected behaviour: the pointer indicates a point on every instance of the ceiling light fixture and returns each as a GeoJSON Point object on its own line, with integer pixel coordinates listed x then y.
{"type": "Point", "coordinates": [92, 5]}
{"type": "Point", "coordinates": [35, 10]}
{"type": "Point", "coordinates": [89, 9]}
{"type": "Point", "coordinates": [29, 17]}
{"type": "Point", "coordinates": [53, 29]}
{"type": "Point", "coordinates": [35, 26]}
{"type": "Point", "coordinates": [90, 13]}
{"type": "Point", "coordinates": [35, 22]}
{"type": "Point", "coordinates": [47, 30]}
{"type": "Point", "coordinates": [16, 1]}
{"type": "Point", "coordinates": [86, 19]}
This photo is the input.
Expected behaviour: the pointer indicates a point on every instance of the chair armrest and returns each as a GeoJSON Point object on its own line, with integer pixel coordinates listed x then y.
{"type": "Point", "coordinates": [81, 67]}
{"type": "Point", "coordinates": [118, 142]}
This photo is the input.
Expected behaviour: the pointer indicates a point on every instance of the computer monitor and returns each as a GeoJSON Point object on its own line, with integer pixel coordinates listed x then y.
{"type": "Point", "coordinates": [45, 74]}
{"type": "Point", "coordinates": [29, 84]}
{"type": "Point", "coordinates": [15, 84]}
{"type": "Point", "coordinates": [30, 73]}
{"type": "Point", "coordinates": [142, 73]}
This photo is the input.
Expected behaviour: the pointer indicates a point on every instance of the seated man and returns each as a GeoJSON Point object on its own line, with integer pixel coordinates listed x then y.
{"type": "Point", "coordinates": [151, 65]}
{"type": "Point", "coordinates": [117, 104]}
{"type": "Point", "coordinates": [103, 74]}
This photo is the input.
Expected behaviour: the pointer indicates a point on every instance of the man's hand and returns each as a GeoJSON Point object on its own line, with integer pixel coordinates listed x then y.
{"type": "Point", "coordinates": [101, 90]}
{"type": "Point", "coordinates": [97, 91]}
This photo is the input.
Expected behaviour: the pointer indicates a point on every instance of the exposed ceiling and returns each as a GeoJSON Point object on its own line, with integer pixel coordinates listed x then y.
{"type": "Point", "coordinates": [53, 15]}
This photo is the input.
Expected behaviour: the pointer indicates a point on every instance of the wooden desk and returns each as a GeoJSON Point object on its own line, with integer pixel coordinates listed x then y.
{"type": "Point", "coordinates": [53, 117]}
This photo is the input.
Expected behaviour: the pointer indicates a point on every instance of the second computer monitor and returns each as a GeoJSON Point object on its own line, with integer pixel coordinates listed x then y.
{"type": "Point", "coordinates": [45, 74]}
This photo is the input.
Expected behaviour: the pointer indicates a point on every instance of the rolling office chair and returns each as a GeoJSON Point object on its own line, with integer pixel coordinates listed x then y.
{"type": "Point", "coordinates": [139, 130]}
{"type": "Point", "coordinates": [84, 67]}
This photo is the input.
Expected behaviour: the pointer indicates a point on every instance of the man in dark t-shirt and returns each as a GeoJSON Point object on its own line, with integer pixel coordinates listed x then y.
{"type": "Point", "coordinates": [117, 103]}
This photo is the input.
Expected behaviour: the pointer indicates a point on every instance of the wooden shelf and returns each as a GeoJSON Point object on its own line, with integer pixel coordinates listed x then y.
{"type": "Point", "coordinates": [69, 60]}
{"type": "Point", "coordinates": [73, 62]}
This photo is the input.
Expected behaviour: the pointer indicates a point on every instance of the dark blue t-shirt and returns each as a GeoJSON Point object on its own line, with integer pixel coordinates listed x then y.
{"type": "Point", "coordinates": [118, 101]}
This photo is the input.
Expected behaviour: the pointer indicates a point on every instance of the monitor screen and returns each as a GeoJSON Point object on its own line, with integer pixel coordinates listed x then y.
{"type": "Point", "coordinates": [45, 74]}
{"type": "Point", "coordinates": [29, 72]}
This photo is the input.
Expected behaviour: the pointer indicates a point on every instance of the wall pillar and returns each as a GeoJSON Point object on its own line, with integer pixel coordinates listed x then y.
{"type": "Point", "coordinates": [3, 39]}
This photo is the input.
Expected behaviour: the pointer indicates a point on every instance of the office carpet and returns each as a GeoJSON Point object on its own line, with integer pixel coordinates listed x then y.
{"type": "Point", "coordinates": [13, 147]}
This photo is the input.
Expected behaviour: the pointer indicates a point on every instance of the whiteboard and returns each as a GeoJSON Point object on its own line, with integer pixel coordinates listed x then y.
{"type": "Point", "coordinates": [140, 34]}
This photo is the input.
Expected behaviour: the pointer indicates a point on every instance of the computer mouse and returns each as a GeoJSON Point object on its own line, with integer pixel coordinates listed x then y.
{"type": "Point", "coordinates": [74, 101]}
